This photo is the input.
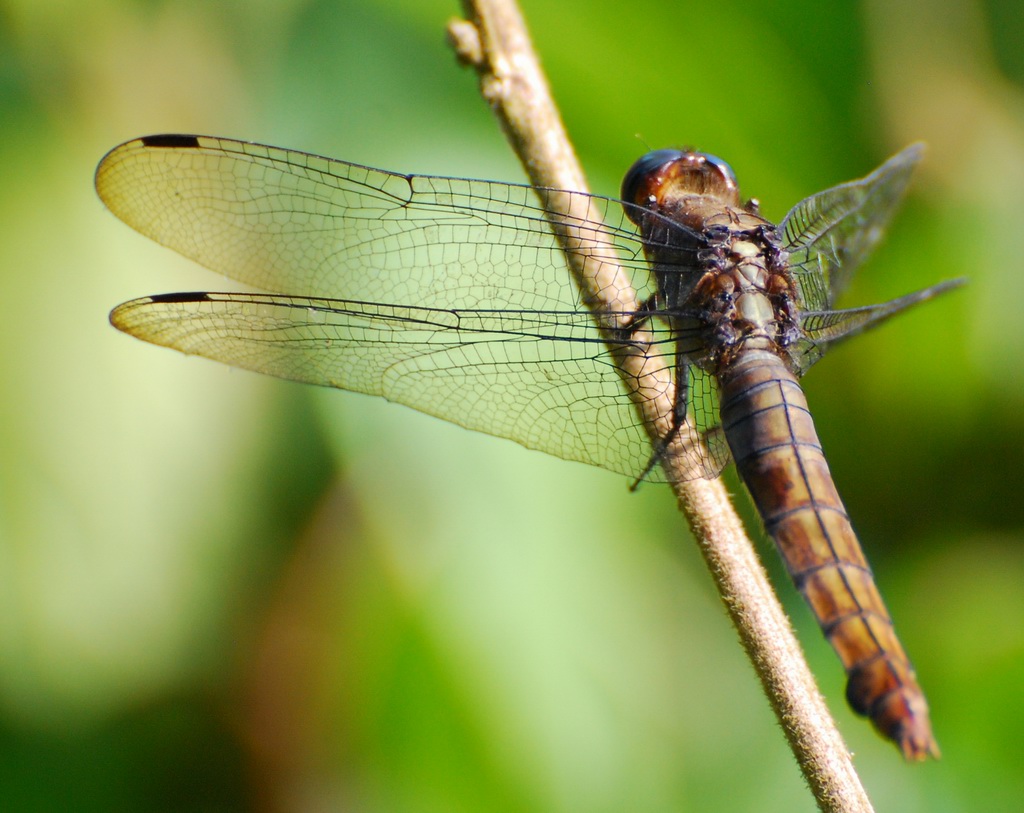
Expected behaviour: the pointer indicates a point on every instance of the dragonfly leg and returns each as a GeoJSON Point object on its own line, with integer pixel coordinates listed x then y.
{"type": "Point", "coordinates": [680, 405]}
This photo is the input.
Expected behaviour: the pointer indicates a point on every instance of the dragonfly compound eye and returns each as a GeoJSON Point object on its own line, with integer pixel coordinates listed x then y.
{"type": "Point", "coordinates": [665, 173]}
{"type": "Point", "coordinates": [646, 174]}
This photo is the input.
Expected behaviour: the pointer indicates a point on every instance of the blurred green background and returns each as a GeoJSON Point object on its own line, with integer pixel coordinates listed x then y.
{"type": "Point", "coordinates": [223, 592]}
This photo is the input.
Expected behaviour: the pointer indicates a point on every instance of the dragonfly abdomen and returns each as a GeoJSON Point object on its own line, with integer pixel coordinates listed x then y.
{"type": "Point", "coordinates": [779, 457]}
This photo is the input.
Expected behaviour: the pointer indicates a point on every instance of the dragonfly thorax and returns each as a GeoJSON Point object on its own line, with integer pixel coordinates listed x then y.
{"type": "Point", "coordinates": [746, 296]}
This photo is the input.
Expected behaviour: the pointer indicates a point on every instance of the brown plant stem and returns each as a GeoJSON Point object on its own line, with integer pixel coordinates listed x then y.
{"type": "Point", "coordinates": [493, 40]}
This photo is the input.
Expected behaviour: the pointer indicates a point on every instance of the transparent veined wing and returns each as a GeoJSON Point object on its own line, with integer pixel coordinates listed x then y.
{"type": "Point", "coordinates": [829, 234]}
{"type": "Point", "coordinates": [448, 295]}
{"type": "Point", "coordinates": [822, 329]}
{"type": "Point", "coordinates": [294, 223]}
{"type": "Point", "coordinates": [544, 379]}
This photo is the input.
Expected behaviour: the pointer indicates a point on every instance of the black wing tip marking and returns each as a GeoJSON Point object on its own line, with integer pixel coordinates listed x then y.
{"type": "Point", "coordinates": [184, 296]}
{"type": "Point", "coordinates": [171, 140]}
{"type": "Point", "coordinates": [120, 317]}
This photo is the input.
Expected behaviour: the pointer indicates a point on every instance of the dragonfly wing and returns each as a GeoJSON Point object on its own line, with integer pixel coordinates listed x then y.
{"type": "Point", "coordinates": [293, 223]}
{"type": "Point", "coordinates": [449, 295]}
{"type": "Point", "coordinates": [696, 446]}
{"type": "Point", "coordinates": [703, 411]}
{"type": "Point", "coordinates": [544, 379]}
{"type": "Point", "coordinates": [829, 234]}
{"type": "Point", "coordinates": [822, 329]}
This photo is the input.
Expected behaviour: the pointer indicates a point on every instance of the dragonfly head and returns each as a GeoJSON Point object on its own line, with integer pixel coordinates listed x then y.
{"type": "Point", "coordinates": [664, 176]}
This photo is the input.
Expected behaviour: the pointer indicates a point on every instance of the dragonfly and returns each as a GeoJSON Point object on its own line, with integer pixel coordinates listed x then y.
{"type": "Point", "coordinates": [452, 296]}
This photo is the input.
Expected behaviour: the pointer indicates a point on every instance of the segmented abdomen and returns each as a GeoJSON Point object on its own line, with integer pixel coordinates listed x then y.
{"type": "Point", "coordinates": [779, 457]}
